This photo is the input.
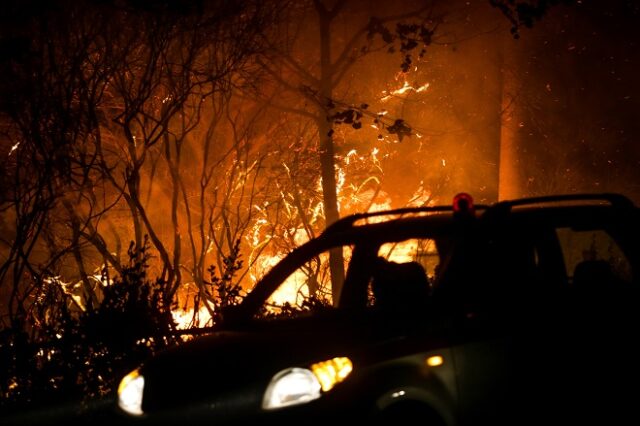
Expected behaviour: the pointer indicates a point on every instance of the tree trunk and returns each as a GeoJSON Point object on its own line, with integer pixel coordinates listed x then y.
{"type": "Point", "coordinates": [327, 159]}
{"type": "Point", "coordinates": [330, 199]}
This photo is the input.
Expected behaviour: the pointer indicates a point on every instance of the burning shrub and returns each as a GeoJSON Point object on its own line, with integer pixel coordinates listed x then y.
{"type": "Point", "coordinates": [62, 354]}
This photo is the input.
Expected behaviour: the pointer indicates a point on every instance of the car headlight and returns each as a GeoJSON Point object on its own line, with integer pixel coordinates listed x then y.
{"type": "Point", "coordinates": [130, 393]}
{"type": "Point", "coordinates": [332, 372]}
{"type": "Point", "coordinates": [295, 386]}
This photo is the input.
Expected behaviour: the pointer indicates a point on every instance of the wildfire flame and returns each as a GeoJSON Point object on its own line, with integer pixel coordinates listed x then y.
{"type": "Point", "coordinates": [184, 318]}
{"type": "Point", "coordinates": [359, 179]}
{"type": "Point", "coordinates": [406, 87]}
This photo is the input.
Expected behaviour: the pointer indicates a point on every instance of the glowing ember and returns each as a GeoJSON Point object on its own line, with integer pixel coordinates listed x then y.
{"type": "Point", "coordinates": [13, 148]}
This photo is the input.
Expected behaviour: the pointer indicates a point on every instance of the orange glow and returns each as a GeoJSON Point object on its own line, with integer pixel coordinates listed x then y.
{"type": "Point", "coordinates": [400, 252]}
{"type": "Point", "coordinates": [332, 372]}
{"type": "Point", "coordinates": [434, 361]}
{"type": "Point", "coordinates": [184, 318]}
{"type": "Point", "coordinates": [292, 291]}
{"type": "Point", "coordinates": [284, 207]}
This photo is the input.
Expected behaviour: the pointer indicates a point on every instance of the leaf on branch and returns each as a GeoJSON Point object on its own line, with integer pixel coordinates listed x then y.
{"type": "Point", "coordinates": [409, 44]}
{"type": "Point", "coordinates": [406, 63]}
{"type": "Point", "coordinates": [411, 37]}
{"type": "Point", "coordinates": [425, 35]}
{"type": "Point", "coordinates": [525, 13]}
{"type": "Point", "coordinates": [400, 128]}
{"type": "Point", "coordinates": [376, 27]}
{"type": "Point", "coordinates": [350, 116]}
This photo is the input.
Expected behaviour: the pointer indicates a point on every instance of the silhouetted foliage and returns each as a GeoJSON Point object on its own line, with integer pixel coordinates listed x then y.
{"type": "Point", "coordinates": [405, 38]}
{"type": "Point", "coordinates": [400, 128]}
{"type": "Point", "coordinates": [348, 116]}
{"type": "Point", "coordinates": [525, 13]}
{"type": "Point", "coordinates": [310, 305]}
{"type": "Point", "coordinates": [224, 291]}
{"type": "Point", "coordinates": [96, 101]}
{"type": "Point", "coordinates": [59, 353]}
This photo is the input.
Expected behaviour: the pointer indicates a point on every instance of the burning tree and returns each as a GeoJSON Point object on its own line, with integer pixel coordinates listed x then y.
{"type": "Point", "coordinates": [175, 128]}
{"type": "Point", "coordinates": [311, 69]}
{"type": "Point", "coordinates": [109, 110]}
{"type": "Point", "coordinates": [104, 103]}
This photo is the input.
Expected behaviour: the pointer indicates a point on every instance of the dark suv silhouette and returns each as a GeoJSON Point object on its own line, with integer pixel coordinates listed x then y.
{"type": "Point", "coordinates": [520, 312]}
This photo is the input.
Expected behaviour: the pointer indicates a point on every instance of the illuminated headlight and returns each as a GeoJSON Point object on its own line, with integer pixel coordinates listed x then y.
{"type": "Point", "coordinates": [130, 393]}
{"type": "Point", "coordinates": [295, 386]}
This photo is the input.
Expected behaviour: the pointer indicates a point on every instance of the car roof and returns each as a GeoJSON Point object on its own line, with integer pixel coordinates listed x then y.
{"type": "Point", "coordinates": [532, 204]}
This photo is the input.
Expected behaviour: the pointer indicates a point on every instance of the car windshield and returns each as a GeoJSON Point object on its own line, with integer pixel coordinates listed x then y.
{"type": "Point", "coordinates": [376, 273]}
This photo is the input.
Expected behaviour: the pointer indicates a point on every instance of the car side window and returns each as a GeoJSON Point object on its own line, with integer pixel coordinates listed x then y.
{"type": "Point", "coordinates": [403, 274]}
{"type": "Point", "coordinates": [420, 250]}
{"type": "Point", "coordinates": [593, 258]}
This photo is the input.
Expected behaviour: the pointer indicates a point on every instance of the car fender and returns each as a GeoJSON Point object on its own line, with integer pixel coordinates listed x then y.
{"type": "Point", "coordinates": [413, 379]}
{"type": "Point", "coordinates": [420, 395]}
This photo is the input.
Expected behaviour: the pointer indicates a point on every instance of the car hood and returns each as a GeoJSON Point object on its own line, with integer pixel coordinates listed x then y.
{"type": "Point", "coordinates": [234, 367]}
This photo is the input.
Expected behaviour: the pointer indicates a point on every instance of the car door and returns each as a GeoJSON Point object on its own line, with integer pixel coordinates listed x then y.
{"type": "Point", "coordinates": [497, 333]}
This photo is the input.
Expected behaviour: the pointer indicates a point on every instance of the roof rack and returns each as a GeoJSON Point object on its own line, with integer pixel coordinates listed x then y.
{"type": "Point", "coordinates": [347, 222]}
{"type": "Point", "coordinates": [615, 200]}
